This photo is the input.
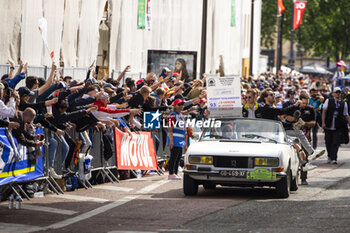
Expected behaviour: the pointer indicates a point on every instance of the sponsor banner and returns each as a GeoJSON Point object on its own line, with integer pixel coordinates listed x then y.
{"type": "Point", "coordinates": [233, 13]}
{"type": "Point", "coordinates": [299, 9]}
{"type": "Point", "coordinates": [224, 96]}
{"type": "Point", "coordinates": [136, 151]}
{"type": "Point", "coordinates": [22, 170]}
{"type": "Point", "coordinates": [141, 14]}
{"type": "Point", "coordinates": [148, 15]}
{"type": "Point", "coordinates": [281, 7]}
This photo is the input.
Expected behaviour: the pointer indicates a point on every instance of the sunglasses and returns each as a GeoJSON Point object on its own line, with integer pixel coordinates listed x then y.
{"type": "Point", "coordinates": [338, 92]}
{"type": "Point", "coordinates": [271, 94]}
{"type": "Point", "coordinates": [249, 97]}
{"type": "Point", "coordinates": [180, 104]}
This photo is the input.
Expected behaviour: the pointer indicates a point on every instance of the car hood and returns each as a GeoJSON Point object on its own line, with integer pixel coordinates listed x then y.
{"type": "Point", "coordinates": [235, 148]}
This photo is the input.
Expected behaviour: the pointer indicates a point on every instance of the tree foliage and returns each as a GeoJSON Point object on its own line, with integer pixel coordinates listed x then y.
{"type": "Point", "coordinates": [325, 30]}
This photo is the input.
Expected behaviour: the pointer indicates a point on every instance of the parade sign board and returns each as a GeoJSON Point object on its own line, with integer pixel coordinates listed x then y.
{"type": "Point", "coordinates": [136, 151]}
{"type": "Point", "coordinates": [224, 96]}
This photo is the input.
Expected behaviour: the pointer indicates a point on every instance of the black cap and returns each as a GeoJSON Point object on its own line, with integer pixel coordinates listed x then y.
{"type": "Point", "coordinates": [5, 77]}
{"type": "Point", "coordinates": [24, 91]}
{"type": "Point", "coordinates": [179, 96]}
{"type": "Point", "coordinates": [290, 92]}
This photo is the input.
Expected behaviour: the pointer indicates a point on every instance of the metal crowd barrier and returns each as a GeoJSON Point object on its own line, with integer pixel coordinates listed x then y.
{"type": "Point", "coordinates": [100, 166]}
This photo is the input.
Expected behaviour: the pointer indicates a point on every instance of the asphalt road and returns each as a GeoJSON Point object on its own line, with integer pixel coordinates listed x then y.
{"type": "Point", "coordinates": [154, 204]}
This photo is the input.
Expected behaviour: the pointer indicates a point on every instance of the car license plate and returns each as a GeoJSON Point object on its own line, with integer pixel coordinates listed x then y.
{"type": "Point", "coordinates": [233, 173]}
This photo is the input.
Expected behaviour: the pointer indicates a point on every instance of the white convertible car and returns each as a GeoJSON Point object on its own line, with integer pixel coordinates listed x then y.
{"type": "Point", "coordinates": [242, 152]}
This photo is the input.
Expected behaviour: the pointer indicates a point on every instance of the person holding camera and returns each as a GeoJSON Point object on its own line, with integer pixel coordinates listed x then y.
{"type": "Point", "coordinates": [316, 101]}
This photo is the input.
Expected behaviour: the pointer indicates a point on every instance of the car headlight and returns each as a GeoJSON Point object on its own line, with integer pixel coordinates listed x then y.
{"type": "Point", "coordinates": [266, 162]}
{"type": "Point", "coordinates": [201, 159]}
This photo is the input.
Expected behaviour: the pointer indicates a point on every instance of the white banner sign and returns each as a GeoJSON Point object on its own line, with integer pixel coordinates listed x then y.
{"type": "Point", "coordinates": [224, 96]}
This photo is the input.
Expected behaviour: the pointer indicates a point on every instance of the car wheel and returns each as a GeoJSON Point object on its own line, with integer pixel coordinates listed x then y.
{"type": "Point", "coordinates": [190, 186]}
{"type": "Point", "coordinates": [295, 182]}
{"type": "Point", "coordinates": [209, 186]}
{"type": "Point", "coordinates": [283, 186]}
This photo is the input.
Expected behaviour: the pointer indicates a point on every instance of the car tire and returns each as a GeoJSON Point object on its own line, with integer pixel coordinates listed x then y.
{"type": "Point", "coordinates": [295, 182]}
{"type": "Point", "coordinates": [190, 186]}
{"type": "Point", "coordinates": [283, 186]}
{"type": "Point", "coordinates": [209, 186]}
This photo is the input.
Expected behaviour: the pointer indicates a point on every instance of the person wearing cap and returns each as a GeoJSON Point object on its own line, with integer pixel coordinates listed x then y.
{"type": "Point", "coordinates": [339, 73]}
{"type": "Point", "coordinates": [335, 120]}
{"type": "Point", "coordinates": [25, 94]}
{"type": "Point", "coordinates": [278, 100]}
{"type": "Point", "coordinates": [290, 100]}
{"type": "Point", "coordinates": [251, 109]}
{"type": "Point", "coordinates": [109, 91]}
{"type": "Point", "coordinates": [316, 101]}
{"type": "Point", "coordinates": [105, 113]}
{"type": "Point", "coordinates": [176, 138]}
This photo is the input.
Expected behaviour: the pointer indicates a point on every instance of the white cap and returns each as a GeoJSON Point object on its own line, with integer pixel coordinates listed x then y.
{"type": "Point", "coordinates": [337, 89]}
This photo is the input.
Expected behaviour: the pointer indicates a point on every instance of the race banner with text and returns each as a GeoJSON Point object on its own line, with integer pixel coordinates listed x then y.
{"type": "Point", "coordinates": [14, 165]}
{"type": "Point", "coordinates": [135, 151]}
{"type": "Point", "coordinates": [141, 14]}
{"type": "Point", "coordinates": [299, 9]}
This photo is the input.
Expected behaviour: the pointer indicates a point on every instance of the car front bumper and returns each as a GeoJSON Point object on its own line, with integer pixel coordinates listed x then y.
{"type": "Point", "coordinates": [216, 178]}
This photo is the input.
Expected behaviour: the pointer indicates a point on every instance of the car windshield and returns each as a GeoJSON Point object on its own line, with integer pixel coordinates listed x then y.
{"type": "Point", "coordinates": [246, 130]}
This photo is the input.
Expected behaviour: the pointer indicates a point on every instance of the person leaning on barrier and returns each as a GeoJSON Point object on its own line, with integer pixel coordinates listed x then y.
{"type": "Point", "coordinates": [22, 134]}
{"type": "Point", "coordinates": [10, 125]}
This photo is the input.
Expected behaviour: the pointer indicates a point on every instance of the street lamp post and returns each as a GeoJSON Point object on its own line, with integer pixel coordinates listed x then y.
{"type": "Point", "coordinates": [279, 42]}
{"type": "Point", "coordinates": [204, 37]}
{"type": "Point", "coordinates": [251, 39]}
{"type": "Point", "coordinates": [291, 61]}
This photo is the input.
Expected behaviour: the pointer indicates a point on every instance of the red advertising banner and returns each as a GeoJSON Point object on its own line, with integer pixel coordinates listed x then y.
{"type": "Point", "coordinates": [136, 151]}
{"type": "Point", "coordinates": [299, 9]}
{"type": "Point", "coordinates": [281, 7]}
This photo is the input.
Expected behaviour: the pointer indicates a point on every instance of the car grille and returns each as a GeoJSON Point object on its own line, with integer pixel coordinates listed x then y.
{"type": "Point", "coordinates": [232, 162]}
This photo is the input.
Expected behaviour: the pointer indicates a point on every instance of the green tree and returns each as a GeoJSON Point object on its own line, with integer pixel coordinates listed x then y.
{"type": "Point", "coordinates": [325, 30]}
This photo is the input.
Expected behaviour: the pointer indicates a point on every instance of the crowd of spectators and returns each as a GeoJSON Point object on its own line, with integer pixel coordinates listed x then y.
{"type": "Point", "coordinates": [61, 103]}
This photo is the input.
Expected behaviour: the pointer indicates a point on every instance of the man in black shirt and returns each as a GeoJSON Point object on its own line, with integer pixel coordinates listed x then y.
{"type": "Point", "coordinates": [267, 110]}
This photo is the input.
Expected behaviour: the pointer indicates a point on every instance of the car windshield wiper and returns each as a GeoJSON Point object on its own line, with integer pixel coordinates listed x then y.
{"type": "Point", "coordinates": [258, 136]}
{"type": "Point", "coordinates": [216, 136]}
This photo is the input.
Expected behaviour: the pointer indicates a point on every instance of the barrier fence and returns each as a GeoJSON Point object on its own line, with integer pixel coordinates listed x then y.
{"type": "Point", "coordinates": [16, 170]}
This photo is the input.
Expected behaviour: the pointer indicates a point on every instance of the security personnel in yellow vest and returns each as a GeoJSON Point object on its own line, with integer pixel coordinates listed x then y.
{"type": "Point", "coordinates": [176, 138]}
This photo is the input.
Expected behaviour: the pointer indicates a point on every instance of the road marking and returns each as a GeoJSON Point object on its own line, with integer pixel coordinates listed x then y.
{"type": "Point", "coordinates": [81, 198]}
{"type": "Point", "coordinates": [48, 209]}
{"type": "Point", "coordinates": [105, 208]}
{"type": "Point", "coordinates": [151, 187]}
{"type": "Point", "coordinates": [132, 232]}
{"type": "Point", "coordinates": [18, 228]}
{"type": "Point", "coordinates": [113, 188]}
